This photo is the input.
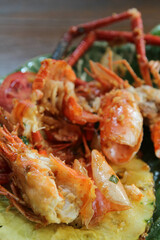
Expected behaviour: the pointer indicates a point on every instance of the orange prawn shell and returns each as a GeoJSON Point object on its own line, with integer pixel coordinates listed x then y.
{"type": "Point", "coordinates": [121, 124]}
{"type": "Point", "coordinates": [82, 184]}
{"type": "Point", "coordinates": [53, 70]}
{"type": "Point", "coordinates": [117, 110]}
{"type": "Point", "coordinates": [21, 109]}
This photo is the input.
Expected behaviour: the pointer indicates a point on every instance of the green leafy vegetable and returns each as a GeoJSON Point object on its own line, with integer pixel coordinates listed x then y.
{"type": "Point", "coordinates": [25, 140]}
{"type": "Point", "coordinates": [155, 231]}
{"type": "Point", "coordinates": [113, 179]}
{"type": "Point", "coordinates": [95, 53]}
{"type": "Point", "coordinates": [32, 65]}
{"type": "Point", "coordinates": [156, 30]}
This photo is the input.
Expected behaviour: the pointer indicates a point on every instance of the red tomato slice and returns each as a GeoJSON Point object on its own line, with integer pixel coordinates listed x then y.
{"type": "Point", "coordinates": [15, 86]}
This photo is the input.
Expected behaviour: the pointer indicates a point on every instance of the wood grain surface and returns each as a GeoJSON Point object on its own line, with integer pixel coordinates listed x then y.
{"type": "Point", "coordinates": [33, 27]}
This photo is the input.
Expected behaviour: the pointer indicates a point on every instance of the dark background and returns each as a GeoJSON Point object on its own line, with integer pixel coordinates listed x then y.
{"type": "Point", "coordinates": [33, 27]}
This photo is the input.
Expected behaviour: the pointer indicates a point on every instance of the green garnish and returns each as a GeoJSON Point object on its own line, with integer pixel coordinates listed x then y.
{"type": "Point", "coordinates": [152, 203]}
{"type": "Point", "coordinates": [25, 140]}
{"type": "Point", "coordinates": [113, 179]}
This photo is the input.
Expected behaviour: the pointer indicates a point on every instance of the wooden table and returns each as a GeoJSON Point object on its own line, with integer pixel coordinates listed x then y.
{"type": "Point", "coordinates": [33, 27]}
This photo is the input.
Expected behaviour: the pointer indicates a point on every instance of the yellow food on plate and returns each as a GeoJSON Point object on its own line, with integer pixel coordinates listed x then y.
{"type": "Point", "coordinates": [128, 224]}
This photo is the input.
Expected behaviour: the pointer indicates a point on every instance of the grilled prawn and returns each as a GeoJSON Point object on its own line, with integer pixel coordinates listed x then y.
{"type": "Point", "coordinates": [54, 87]}
{"type": "Point", "coordinates": [121, 126]}
{"type": "Point", "coordinates": [122, 109]}
{"type": "Point", "coordinates": [55, 192]}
